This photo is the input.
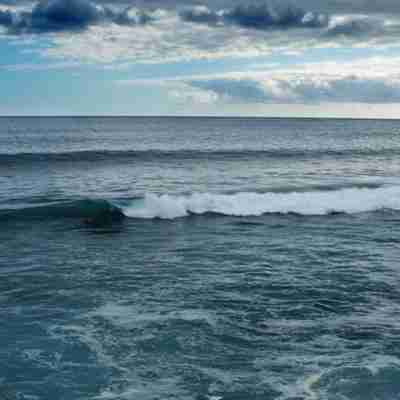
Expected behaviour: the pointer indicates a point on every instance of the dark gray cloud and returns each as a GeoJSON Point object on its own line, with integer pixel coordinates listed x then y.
{"type": "Point", "coordinates": [319, 6]}
{"type": "Point", "coordinates": [67, 15]}
{"type": "Point", "coordinates": [200, 14]}
{"type": "Point", "coordinates": [307, 91]}
{"type": "Point", "coordinates": [54, 15]}
{"type": "Point", "coordinates": [6, 18]}
{"type": "Point", "coordinates": [266, 16]}
{"type": "Point", "coordinates": [261, 16]}
{"type": "Point", "coordinates": [75, 15]}
{"type": "Point", "coordinates": [127, 17]}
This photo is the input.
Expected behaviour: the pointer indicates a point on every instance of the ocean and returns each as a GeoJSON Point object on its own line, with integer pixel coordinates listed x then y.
{"type": "Point", "coordinates": [199, 259]}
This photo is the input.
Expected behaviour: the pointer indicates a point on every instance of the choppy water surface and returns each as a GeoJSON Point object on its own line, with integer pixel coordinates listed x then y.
{"type": "Point", "coordinates": [204, 259]}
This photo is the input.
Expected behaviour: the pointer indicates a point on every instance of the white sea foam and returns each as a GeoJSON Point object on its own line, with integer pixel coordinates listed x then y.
{"type": "Point", "coordinates": [349, 200]}
{"type": "Point", "coordinates": [127, 316]}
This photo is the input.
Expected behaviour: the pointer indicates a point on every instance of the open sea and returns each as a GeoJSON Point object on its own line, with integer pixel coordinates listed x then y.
{"type": "Point", "coordinates": [199, 259]}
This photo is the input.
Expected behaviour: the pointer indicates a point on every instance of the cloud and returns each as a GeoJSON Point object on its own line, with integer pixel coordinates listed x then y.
{"type": "Point", "coordinates": [68, 15]}
{"type": "Point", "coordinates": [261, 16]}
{"type": "Point", "coordinates": [124, 34]}
{"type": "Point", "coordinates": [367, 7]}
{"type": "Point", "coordinates": [128, 16]}
{"type": "Point", "coordinates": [186, 94]}
{"type": "Point", "coordinates": [54, 15]}
{"type": "Point", "coordinates": [6, 18]}
{"type": "Point", "coordinates": [242, 90]}
{"type": "Point", "coordinates": [266, 16]}
{"type": "Point", "coordinates": [361, 26]}
{"type": "Point", "coordinates": [200, 14]}
{"type": "Point", "coordinates": [166, 39]}
{"type": "Point", "coordinates": [373, 80]}
{"type": "Point", "coordinates": [302, 90]}
{"type": "Point", "coordinates": [78, 15]}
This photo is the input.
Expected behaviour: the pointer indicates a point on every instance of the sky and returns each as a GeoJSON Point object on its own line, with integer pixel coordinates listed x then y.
{"type": "Point", "coordinates": [304, 58]}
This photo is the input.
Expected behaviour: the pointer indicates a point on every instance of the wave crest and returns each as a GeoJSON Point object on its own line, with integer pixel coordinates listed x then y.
{"type": "Point", "coordinates": [350, 200]}
{"type": "Point", "coordinates": [99, 211]}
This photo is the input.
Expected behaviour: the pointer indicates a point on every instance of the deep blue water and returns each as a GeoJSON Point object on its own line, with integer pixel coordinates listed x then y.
{"type": "Point", "coordinates": [199, 259]}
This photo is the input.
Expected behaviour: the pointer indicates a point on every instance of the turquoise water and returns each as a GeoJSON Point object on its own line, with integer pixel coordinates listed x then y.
{"type": "Point", "coordinates": [194, 258]}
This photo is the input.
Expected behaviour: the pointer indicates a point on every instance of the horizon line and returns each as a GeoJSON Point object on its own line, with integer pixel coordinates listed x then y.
{"type": "Point", "coordinates": [196, 116]}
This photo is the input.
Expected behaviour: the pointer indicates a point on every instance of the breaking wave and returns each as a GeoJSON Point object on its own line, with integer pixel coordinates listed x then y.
{"type": "Point", "coordinates": [323, 202]}
{"type": "Point", "coordinates": [350, 200]}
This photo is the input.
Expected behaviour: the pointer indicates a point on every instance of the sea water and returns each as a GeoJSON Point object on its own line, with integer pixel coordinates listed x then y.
{"type": "Point", "coordinates": [199, 259]}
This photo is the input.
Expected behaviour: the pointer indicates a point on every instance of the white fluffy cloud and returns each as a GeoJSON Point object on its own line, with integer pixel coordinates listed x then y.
{"type": "Point", "coordinates": [167, 39]}
{"type": "Point", "coordinates": [369, 81]}
{"type": "Point", "coordinates": [185, 94]}
{"type": "Point", "coordinates": [170, 39]}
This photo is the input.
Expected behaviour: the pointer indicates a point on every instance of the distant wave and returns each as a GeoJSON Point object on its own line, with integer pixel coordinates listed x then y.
{"type": "Point", "coordinates": [104, 155]}
{"type": "Point", "coordinates": [151, 206]}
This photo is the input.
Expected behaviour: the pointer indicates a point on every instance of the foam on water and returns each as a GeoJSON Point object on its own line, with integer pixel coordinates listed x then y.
{"type": "Point", "coordinates": [350, 200]}
{"type": "Point", "coordinates": [126, 316]}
